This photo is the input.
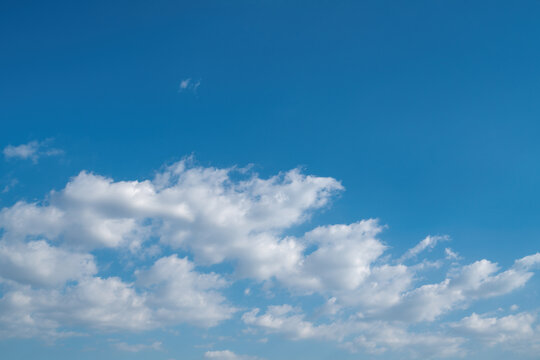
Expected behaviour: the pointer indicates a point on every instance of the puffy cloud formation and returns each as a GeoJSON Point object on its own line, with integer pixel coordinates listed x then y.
{"type": "Point", "coordinates": [105, 255]}
{"type": "Point", "coordinates": [354, 333]}
{"type": "Point", "coordinates": [38, 263]}
{"type": "Point", "coordinates": [519, 333]}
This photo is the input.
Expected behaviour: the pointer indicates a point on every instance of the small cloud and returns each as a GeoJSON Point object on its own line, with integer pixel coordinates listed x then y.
{"type": "Point", "coordinates": [331, 307]}
{"type": "Point", "coordinates": [138, 347]}
{"type": "Point", "coordinates": [428, 243]}
{"type": "Point", "coordinates": [10, 186]}
{"type": "Point", "coordinates": [189, 85]}
{"type": "Point", "coordinates": [226, 355]}
{"type": "Point", "coordinates": [451, 255]}
{"type": "Point", "coordinates": [184, 84]}
{"type": "Point", "coordinates": [30, 151]}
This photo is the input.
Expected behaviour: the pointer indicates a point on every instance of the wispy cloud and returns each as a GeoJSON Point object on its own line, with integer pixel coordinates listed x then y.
{"type": "Point", "coordinates": [429, 242]}
{"type": "Point", "coordinates": [31, 151]}
{"type": "Point", "coordinates": [451, 255]}
{"type": "Point", "coordinates": [9, 185]}
{"type": "Point", "coordinates": [138, 347]}
{"type": "Point", "coordinates": [227, 355]}
{"type": "Point", "coordinates": [189, 85]}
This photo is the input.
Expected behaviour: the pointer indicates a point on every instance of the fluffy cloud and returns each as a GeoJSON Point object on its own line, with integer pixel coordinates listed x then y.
{"type": "Point", "coordinates": [475, 281]}
{"type": "Point", "coordinates": [518, 333]}
{"type": "Point", "coordinates": [495, 330]}
{"type": "Point", "coordinates": [381, 337]}
{"type": "Point", "coordinates": [343, 256]}
{"type": "Point", "coordinates": [285, 319]}
{"type": "Point", "coordinates": [177, 293]}
{"type": "Point", "coordinates": [56, 279]}
{"type": "Point", "coordinates": [355, 333]}
{"type": "Point", "coordinates": [168, 293]}
{"type": "Point", "coordinates": [199, 209]}
{"type": "Point", "coordinates": [38, 263]}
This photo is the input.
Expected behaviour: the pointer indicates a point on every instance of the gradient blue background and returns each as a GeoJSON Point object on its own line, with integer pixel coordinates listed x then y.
{"type": "Point", "coordinates": [427, 111]}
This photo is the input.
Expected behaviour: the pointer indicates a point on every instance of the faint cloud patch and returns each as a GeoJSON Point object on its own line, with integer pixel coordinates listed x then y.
{"type": "Point", "coordinates": [12, 183]}
{"type": "Point", "coordinates": [31, 151]}
{"type": "Point", "coordinates": [157, 345]}
{"type": "Point", "coordinates": [227, 355]}
{"type": "Point", "coordinates": [451, 255]}
{"type": "Point", "coordinates": [428, 243]}
{"type": "Point", "coordinates": [189, 85]}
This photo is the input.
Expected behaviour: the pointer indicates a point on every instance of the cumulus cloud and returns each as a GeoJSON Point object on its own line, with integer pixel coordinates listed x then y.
{"type": "Point", "coordinates": [199, 209]}
{"type": "Point", "coordinates": [56, 280]}
{"type": "Point", "coordinates": [381, 337]}
{"type": "Point", "coordinates": [478, 280]}
{"type": "Point", "coordinates": [519, 332]}
{"type": "Point", "coordinates": [286, 320]}
{"type": "Point", "coordinates": [355, 333]}
{"type": "Point", "coordinates": [180, 294]}
{"type": "Point", "coordinates": [32, 151]}
{"type": "Point", "coordinates": [168, 293]}
{"type": "Point", "coordinates": [38, 263]}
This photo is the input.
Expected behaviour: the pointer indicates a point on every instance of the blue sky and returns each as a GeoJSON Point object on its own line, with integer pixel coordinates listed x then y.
{"type": "Point", "coordinates": [196, 161]}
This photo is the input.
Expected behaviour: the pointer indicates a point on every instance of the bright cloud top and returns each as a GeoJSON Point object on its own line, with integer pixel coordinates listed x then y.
{"type": "Point", "coordinates": [173, 227]}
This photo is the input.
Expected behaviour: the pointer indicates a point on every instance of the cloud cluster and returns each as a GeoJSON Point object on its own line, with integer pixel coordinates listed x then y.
{"type": "Point", "coordinates": [164, 234]}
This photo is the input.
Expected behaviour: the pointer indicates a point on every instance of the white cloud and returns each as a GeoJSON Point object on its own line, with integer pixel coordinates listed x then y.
{"type": "Point", "coordinates": [286, 320]}
{"type": "Point", "coordinates": [429, 242]}
{"type": "Point", "coordinates": [528, 262]}
{"type": "Point", "coordinates": [184, 83]}
{"type": "Point", "coordinates": [32, 150]}
{"type": "Point", "coordinates": [519, 332]}
{"type": "Point", "coordinates": [157, 346]}
{"type": "Point", "coordinates": [343, 256]}
{"type": "Point", "coordinates": [168, 293]}
{"type": "Point", "coordinates": [200, 209]}
{"type": "Point", "coordinates": [475, 281]}
{"type": "Point", "coordinates": [381, 337]}
{"type": "Point", "coordinates": [226, 355]}
{"type": "Point", "coordinates": [451, 255]}
{"type": "Point", "coordinates": [189, 84]}
{"type": "Point", "coordinates": [9, 186]}
{"type": "Point", "coordinates": [355, 334]}
{"type": "Point", "coordinates": [180, 294]}
{"type": "Point", "coordinates": [55, 279]}
{"type": "Point", "coordinates": [38, 263]}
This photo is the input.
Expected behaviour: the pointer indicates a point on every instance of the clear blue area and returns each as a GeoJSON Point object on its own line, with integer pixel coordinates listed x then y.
{"type": "Point", "coordinates": [427, 111]}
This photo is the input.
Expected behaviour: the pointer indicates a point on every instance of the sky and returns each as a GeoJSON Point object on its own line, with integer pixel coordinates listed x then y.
{"type": "Point", "coordinates": [276, 180]}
